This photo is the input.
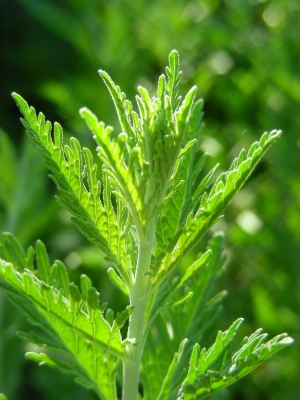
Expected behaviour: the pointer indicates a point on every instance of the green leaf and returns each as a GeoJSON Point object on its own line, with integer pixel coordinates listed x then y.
{"type": "Point", "coordinates": [183, 191]}
{"type": "Point", "coordinates": [62, 278]}
{"type": "Point", "coordinates": [69, 166]}
{"type": "Point", "coordinates": [168, 385]}
{"type": "Point", "coordinates": [12, 251]}
{"type": "Point", "coordinates": [71, 324]}
{"type": "Point", "coordinates": [116, 280]}
{"type": "Point", "coordinates": [66, 349]}
{"type": "Point", "coordinates": [213, 369]}
{"type": "Point", "coordinates": [213, 205]}
{"type": "Point", "coordinates": [123, 106]}
{"type": "Point", "coordinates": [122, 318]}
{"type": "Point", "coordinates": [60, 310]}
{"type": "Point", "coordinates": [111, 153]}
{"type": "Point", "coordinates": [141, 160]}
{"type": "Point", "coordinates": [43, 262]}
{"type": "Point", "coordinates": [164, 297]}
{"type": "Point", "coordinates": [169, 326]}
{"type": "Point", "coordinates": [216, 368]}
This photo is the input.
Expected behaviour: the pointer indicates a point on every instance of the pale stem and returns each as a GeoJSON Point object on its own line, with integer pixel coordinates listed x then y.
{"type": "Point", "coordinates": [131, 367]}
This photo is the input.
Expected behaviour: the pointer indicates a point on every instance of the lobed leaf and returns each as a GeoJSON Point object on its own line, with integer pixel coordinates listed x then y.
{"type": "Point", "coordinates": [213, 205]}
{"type": "Point", "coordinates": [169, 326]}
{"type": "Point", "coordinates": [183, 190]}
{"type": "Point", "coordinates": [69, 167]}
{"type": "Point", "coordinates": [68, 311]}
{"type": "Point", "coordinates": [68, 323]}
{"type": "Point", "coordinates": [141, 159]}
{"type": "Point", "coordinates": [212, 370]}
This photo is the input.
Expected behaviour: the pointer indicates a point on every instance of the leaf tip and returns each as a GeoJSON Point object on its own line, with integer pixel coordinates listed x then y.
{"type": "Point", "coordinates": [19, 100]}
{"type": "Point", "coordinates": [104, 75]}
{"type": "Point", "coordinates": [287, 340]}
{"type": "Point", "coordinates": [83, 111]}
{"type": "Point", "coordinates": [174, 55]}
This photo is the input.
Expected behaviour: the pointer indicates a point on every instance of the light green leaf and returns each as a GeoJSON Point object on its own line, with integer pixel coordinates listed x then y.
{"type": "Point", "coordinates": [63, 311]}
{"type": "Point", "coordinates": [71, 324]}
{"type": "Point", "coordinates": [115, 279]}
{"type": "Point", "coordinates": [212, 370]}
{"type": "Point", "coordinates": [141, 159]}
{"type": "Point", "coordinates": [183, 191]}
{"type": "Point", "coordinates": [213, 205]}
{"type": "Point", "coordinates": [69, 166]}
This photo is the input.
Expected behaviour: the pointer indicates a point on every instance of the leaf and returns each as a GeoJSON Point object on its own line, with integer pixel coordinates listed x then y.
{"type": "Point", "coordinates": [43, 262]}
{"type": "Point", "coordinates": [64, 344]}
{"type": "Point", "coordinates": [183, 187]}
{"type": "Point", "coordinates": [212, 206]}
{"type": "Point", "coordinates": [111, 153]}
{"type": "Point", "coordinates": [10, 249]}
{"type": "Point", "coordinates": [216, 368]}
{"type": "Point", "coordinates": [213, 369]}
{"type": "Point", "coordinates": [141, 159]}
{"type": "Point", "coordinates": [167, 289]}
{"type": "Point", "coordinates": [69, 167]}
{"type": "Point", "coordinates": [117, 281]}
{"type": "Point", "coordinates": [122, 318]}
{"type": "Point", "coordinates": [169, 326]}
{"type": "Point", "coordinates": [62, 310]}
{"type": "Point", "coordinates": [66, 321]}
{"type": "Point", "coordinates": [167, 386]}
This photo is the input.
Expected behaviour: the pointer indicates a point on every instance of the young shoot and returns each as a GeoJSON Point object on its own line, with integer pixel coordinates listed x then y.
{"type": "Point", "coordinates": [163, 205]}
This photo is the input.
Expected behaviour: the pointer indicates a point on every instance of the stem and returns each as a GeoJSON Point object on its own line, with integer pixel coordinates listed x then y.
{"type": "Point", "coordinates": [138, 298]}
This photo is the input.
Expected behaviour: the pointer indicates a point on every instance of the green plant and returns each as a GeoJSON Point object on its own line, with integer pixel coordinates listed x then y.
{"type": "Point", "coordinates": [149, 213]}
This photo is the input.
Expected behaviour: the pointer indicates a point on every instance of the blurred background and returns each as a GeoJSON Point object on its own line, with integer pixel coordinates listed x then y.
{"type": "Point", "coordinates": [244, 56]}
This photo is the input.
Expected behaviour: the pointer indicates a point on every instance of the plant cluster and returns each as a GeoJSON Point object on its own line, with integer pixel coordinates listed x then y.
{"type": "Point", "coordinates": [149, 209]}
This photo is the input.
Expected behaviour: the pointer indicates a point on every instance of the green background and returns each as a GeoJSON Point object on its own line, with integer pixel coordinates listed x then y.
{"type": "Point", "coordinates": [244, 56]}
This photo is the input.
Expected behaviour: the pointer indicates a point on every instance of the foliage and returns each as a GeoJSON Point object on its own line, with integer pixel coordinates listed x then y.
{"type": "Point", "coordinates": [150, 170]}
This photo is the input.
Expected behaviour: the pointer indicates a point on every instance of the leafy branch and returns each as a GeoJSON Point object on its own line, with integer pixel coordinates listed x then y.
{"type": "Point", "coordinates": [151, 208]}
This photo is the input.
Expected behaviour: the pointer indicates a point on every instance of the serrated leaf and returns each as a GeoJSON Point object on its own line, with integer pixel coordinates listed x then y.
{"type": "Point", "coordinates": [117, 281]}
{"type": "Point", "coordinates": [74, 322]}
{"type": "Point", "coordinates": [59, 311]}
{"type": "Point", "coordinates": [202, 379]}
{"type": "Point", "coordinates": [68, 166]}
{"type": "Point", "coordinates": [210, 210]}
{"type": "Point", "coordinates": [167, 386]}
{"type": "Point", "coordinates": [191, 320]}
{"type": "Point", "coordinates": [140, 164]}
{"type": "Point", "coordinates": [58, 307]}
{"type": "Point", "coordinates": [182, 187]}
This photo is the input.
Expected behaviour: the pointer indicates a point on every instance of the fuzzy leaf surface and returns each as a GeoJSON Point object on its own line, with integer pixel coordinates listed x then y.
{"type": "Point", "coordinates": [213, 369]}
{"type": "Point", "coordinates": [67, 321]}
{"type": "Point", "coordinates": [212, 205]}
{"type": "Point", "coordinates": [141, 159]}
{"type": "Point", "coordinates": [70, 166]}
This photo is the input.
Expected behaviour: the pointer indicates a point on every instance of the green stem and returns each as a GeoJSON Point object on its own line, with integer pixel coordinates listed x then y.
{"type": "Point", "coordinates": [138, 298]}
